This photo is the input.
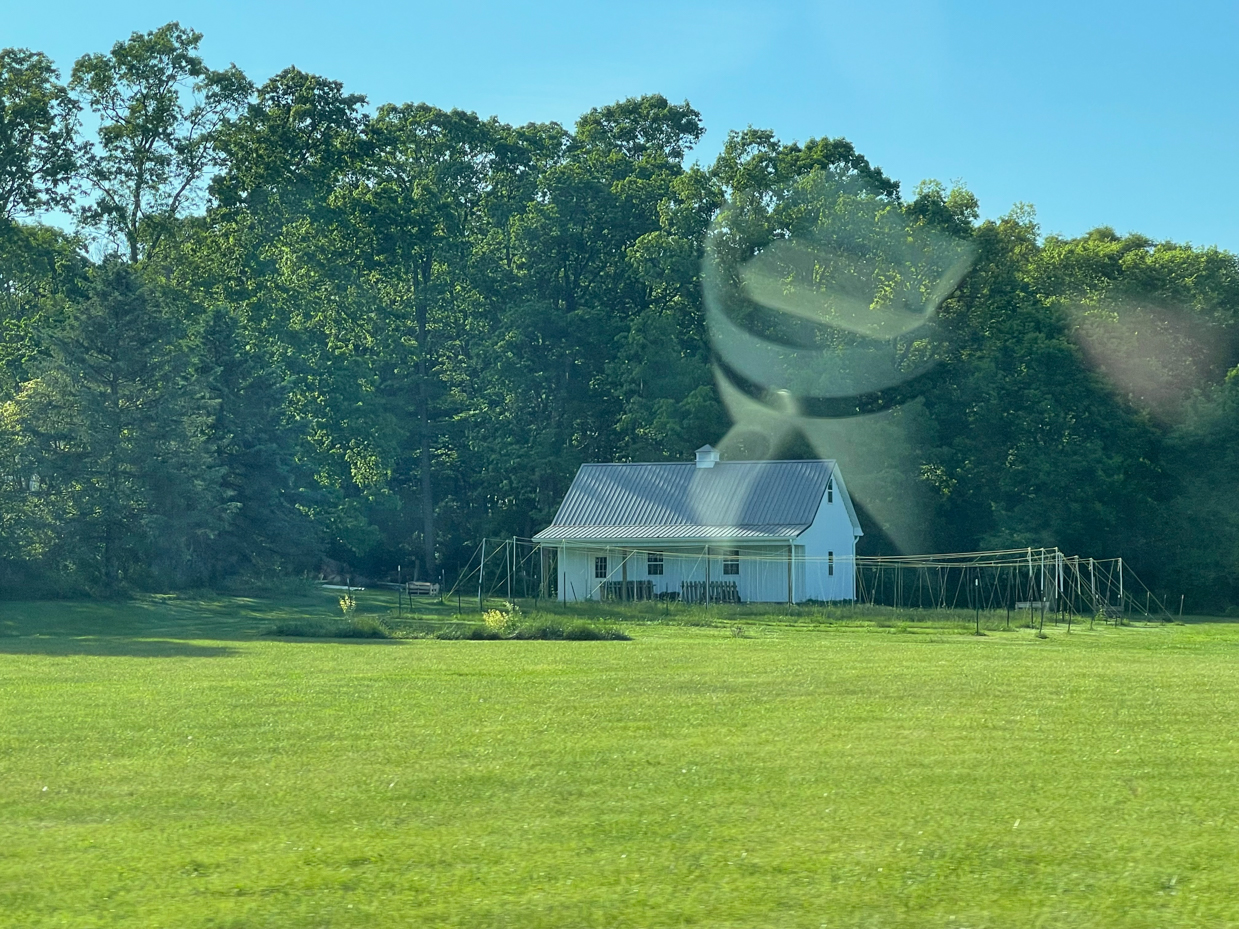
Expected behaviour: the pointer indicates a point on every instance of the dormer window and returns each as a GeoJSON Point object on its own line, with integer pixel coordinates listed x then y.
{"type": "Point", "coordinates": [830, 491]}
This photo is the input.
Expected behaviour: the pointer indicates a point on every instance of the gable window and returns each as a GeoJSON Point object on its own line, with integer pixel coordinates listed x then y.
{"type": "Point", "coordinates": [830, 563]}
{"type": "Point", "coordinates": [653, 563]}
{"type": "Point", "coordinates": [830, 491]}
{"type": "Point", "coordinates": [600, 566]}
{"type": "Point", "coordinates": [731, 561]}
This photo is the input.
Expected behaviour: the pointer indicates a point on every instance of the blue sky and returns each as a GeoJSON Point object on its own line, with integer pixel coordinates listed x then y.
{"type": "Point", "coordinates": [1097, 113]}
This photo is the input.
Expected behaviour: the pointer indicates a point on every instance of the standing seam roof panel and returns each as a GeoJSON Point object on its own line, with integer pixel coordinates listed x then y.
{"type": "Point", "coordinates": [732, 493]}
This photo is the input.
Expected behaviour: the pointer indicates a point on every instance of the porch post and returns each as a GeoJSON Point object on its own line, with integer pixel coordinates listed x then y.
{"type": "Point", "coordinates": [790, 552]}
{"type": "Point", "coordinates": [707, 575]}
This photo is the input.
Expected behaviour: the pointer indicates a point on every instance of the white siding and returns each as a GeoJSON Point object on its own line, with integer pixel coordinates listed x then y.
{"type": "Point", "coordinates": [831, 531]}
{"type": "Point", "coordinates": [763, 576]}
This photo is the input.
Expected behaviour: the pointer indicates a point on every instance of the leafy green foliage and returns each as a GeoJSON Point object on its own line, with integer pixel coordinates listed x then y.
{"type": "Point", "coordinates": [160, 108]}
{"type": "Point", "coordinates": [38, 145]}
{"type": "Point", "coordinates": [368, 338]}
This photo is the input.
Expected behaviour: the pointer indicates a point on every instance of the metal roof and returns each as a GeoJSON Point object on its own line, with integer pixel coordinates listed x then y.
{"type": "Point", "coordinates": [678, 500]}
{"type": "Point", "coordinates": [641, 534]}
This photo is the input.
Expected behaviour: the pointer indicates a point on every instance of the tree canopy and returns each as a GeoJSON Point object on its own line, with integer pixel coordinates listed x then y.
{"type": "Point", "coordinates": [323, 331]}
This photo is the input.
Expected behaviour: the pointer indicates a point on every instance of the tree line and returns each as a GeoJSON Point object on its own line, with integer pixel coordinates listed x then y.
{"type": "Point", "coordinates": [289, 329]}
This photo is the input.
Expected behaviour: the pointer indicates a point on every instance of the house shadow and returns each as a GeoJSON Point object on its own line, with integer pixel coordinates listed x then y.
{"type": "Point", "coordinates": [110, 646]}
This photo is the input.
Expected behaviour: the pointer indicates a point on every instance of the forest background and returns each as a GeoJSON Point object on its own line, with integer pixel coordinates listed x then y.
{"type": "Point", "coordinates": [290, 329]}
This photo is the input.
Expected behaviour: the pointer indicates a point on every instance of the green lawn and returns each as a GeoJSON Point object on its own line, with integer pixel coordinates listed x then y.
{"type": "Point", "coordinates": [164, 764]}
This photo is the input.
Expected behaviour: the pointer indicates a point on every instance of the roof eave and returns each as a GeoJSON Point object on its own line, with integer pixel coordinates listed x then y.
{"type": "Point", "coordinates": [546, 536]}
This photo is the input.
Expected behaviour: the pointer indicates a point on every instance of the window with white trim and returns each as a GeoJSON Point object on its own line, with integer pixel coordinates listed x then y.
{"type": "Point", "coordinates": [654, 563]}
{"type": "Point", "coordinates": [830, 563]}
{"type": "Point", "coordinates": [600, 566]}
{"type": "Point", "coordinates": [830, 491]}
{"type": "Point", "coordinates": [731, 561]}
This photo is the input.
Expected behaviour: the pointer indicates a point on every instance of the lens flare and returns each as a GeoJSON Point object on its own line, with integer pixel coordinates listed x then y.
{"type": "Point", "coordinates": [820, 305]}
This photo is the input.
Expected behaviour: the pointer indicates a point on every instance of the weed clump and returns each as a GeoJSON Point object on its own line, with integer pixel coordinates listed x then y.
{"type": "Point", "coordinates": [532, 631]}
{"type": "Point", "coordinates": [569, 632]}
{"type": "Point", "coordinates": [477, 632]}
{"type": "Point", "coordinates": [358, 627]}
{"type": "Point", "coordinates": [503, 621]}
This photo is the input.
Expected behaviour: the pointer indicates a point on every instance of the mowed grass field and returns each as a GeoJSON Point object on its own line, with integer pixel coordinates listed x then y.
{"type": "Point", "coordinates": [164, 764]}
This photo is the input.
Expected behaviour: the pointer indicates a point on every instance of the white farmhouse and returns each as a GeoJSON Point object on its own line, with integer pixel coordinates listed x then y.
{"type": "Point", "coordinates": [747, 531]}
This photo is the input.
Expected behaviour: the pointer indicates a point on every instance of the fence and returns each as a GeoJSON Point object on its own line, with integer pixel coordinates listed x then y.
{"type": "Point", "coordinates": [1042, 581]}
{"type": "Point", "coordinates": [720, 592]}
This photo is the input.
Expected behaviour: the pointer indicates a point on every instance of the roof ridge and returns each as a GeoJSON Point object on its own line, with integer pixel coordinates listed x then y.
{"type": "Point", "coordinates": [693, 464]}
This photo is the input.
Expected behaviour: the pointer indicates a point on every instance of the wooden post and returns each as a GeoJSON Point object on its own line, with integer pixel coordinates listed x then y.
{"type": "Point", "coordinates": [623, 574]}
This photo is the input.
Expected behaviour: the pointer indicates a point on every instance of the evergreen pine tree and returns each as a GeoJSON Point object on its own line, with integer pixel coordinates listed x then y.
{"type": "Point", "coordinates": [118, 432]}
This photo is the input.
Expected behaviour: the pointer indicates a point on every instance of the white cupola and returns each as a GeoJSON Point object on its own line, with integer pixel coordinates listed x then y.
{"type": "Point", "coordinates": [707, 456]}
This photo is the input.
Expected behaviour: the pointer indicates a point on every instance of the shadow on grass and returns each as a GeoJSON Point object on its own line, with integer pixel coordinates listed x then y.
{"type": "Point", "coordinates": [173, 617]}
{"type": "Point", "coordinates": [162, 626]}
{"type": "Point", "coordinates": [110, 646]}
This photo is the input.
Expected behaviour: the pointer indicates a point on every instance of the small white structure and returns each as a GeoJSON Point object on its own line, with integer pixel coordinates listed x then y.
{"type": "Point", "coordinates": [710, 530]}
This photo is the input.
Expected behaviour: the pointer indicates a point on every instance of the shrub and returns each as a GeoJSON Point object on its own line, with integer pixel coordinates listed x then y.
{"type": "Point", "coordinates": [502, 621]}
